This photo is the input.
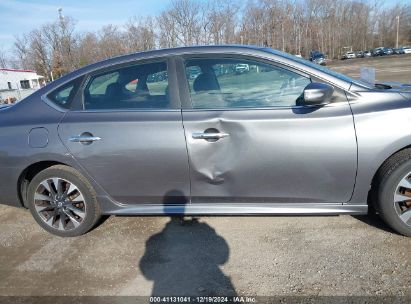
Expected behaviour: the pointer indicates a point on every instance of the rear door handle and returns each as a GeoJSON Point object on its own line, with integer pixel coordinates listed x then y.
{"type": "Point", "coordinates": [84, 138]}
{"type": "Point", "coordinates": [210, 135]}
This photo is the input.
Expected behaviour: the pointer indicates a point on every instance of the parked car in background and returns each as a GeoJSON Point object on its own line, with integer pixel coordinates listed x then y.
{"type": "Point", "coordinates": [349, 55]}
{"type": "Point", "coordinates": [359, 54]}
{"type": "Point", "coordinates": [398, 51]}
{"type": "Point", "coordinates": [367, 54]}
{"type": "Point", "coordinates": [387, 51]}
{"type": "Point", "coordinates": [407, 49]}
{"type": "Point", "coordinates": [287, 137]}
{"type": "Point", "coordinates": [161, 76]}
{"type": "Point", "coordinates": [377, 52]}
{"type": "Point", "coordinates": [242, 68]}
{"type": "Point", "coordinates": [318, 58]}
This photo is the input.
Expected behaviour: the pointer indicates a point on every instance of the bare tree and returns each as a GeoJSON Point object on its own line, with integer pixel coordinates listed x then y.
{"type": "Point", "coordinates": [181, 24]}
{"type": "Point", "coordinates": [22, 51]}
{"type": "Point", "coordinates": [3, 59]}
{"type": "Point", "coordinates": [139, 35]}
{"type": "Point", "coordinates": [40, 54]}
{"type": "Point", "coordinates": [222, 21]}
{"type": "Point", "coordinates": [111, 41]}
{"type": "Point", "coordinates": [294, 26]}
{"type": "Point", "coordinates": [50, 49]}
{"type": "Point", "coordinates": [88, 51]}
{"type": "Point", "coordinates": [167, 31]}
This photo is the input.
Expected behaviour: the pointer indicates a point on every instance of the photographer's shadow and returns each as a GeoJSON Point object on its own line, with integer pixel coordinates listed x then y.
{"type": "Point", "coordinates": [184, 258]}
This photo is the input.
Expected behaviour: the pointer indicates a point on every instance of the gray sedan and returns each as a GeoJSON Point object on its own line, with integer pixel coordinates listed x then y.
{"type": "Point", "coordinates": [139, 134]}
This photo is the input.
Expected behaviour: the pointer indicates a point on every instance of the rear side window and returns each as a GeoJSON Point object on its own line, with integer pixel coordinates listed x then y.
{"type": "Point", "coordinates": [64, 95]}
{"type": "Point", "coordinates": [141, 86]}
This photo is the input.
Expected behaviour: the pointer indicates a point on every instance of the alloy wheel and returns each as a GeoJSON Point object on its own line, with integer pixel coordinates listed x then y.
{"type": "Point", "coordinates": [60, 204]}
{"type": "Point", "coordinates": [402, 199]}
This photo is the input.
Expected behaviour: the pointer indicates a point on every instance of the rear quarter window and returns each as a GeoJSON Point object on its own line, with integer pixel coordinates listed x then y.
{"type": "Point", "coordinates": [63, 96]}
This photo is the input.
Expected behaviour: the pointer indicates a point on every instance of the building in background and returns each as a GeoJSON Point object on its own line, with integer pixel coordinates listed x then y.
{"type": "Point", "coordinates": [17, 84]}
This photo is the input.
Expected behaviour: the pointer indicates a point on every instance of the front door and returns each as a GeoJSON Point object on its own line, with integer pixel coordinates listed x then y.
{"type": "Point", "coordinates": [251, 140]}
{"type": "Point", "coordinates": [129, 135]}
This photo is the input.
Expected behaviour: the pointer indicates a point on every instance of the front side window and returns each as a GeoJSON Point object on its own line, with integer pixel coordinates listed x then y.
{"type": "Point", "coordinates": [242, 83]}
{"type": "Point", "coordinates": [143, 86]}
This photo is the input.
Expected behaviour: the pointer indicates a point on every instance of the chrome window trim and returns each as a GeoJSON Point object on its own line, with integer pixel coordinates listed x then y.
{"type": "Point", "coordinates": [259, 53]}
{"type": "Point", "coordinates": [262, 54]}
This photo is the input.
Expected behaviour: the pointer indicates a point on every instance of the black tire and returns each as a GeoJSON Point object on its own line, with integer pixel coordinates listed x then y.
{"type": "Point", "coordinates": [386, 182]}
{"type": "Point", "coordinates": [89, 204]}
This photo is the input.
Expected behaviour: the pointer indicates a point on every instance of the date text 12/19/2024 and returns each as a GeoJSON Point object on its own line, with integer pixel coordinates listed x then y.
{"type": "Point", "coordinates": [203, 299]}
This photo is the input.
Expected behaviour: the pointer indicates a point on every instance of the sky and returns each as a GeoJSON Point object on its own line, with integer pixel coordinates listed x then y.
{"type": "Point", "coordinates": [21, 16]}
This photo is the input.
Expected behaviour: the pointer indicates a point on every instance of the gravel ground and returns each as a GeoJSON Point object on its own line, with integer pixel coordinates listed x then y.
{"type": "Point", "coordinates": [281, 255]}
{"type": "Point", "coordinates": [330, 255]}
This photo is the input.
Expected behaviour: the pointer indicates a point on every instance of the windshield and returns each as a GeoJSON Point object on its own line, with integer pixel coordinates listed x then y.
{"type": "Point", "coordinates": [320, 68]}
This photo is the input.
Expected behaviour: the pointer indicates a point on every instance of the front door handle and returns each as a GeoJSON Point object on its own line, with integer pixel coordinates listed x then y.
{"type": "Point", "coordinates": [208, 136]}
{"type": "Point", "coordinates": [85, 138]}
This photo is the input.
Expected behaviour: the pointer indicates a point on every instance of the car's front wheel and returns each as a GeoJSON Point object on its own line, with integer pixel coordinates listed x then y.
{"type": "Point", "coordinates": [394, 192]}
{"type": "Point", "coordinates": [63, 202]}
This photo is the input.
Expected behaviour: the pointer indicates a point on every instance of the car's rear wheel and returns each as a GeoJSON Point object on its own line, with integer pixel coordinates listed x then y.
{"type": "Point", "coordinates": [394, 192]}
{"type": "Point", "coordinates": [63, 202]}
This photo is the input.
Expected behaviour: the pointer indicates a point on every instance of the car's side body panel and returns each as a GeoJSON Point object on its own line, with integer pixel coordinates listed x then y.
{"type": "Point", "coordinates": [381, 123]}
{"type": "Point", "coordinates": [294, 155]}
{"type": "Point", "coordinates": [141, 155]}
{"type": "Point", "coordinates": [17, 149]}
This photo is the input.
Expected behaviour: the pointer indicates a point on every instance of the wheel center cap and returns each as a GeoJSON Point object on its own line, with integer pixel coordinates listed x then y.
{"type": "Point", "coordinates": [59, 204]}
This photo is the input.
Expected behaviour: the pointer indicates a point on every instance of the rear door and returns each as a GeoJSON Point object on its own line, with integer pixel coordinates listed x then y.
{"type": "Point", "coordinates": [250, 138]}
{"type": "Point", "coordinates": [128, 133]}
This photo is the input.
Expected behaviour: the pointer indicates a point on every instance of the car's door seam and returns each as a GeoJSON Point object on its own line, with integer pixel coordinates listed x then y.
{"type": "Point", "coordinates": [188, 155]}
{"type": "Point", "coordinates": [176, 65]}
{"type": "Point", "coordinates": [356, 144]}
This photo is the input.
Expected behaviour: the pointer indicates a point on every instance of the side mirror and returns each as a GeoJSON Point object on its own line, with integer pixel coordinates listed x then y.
{"type": "Point", "coordinates": [318, 93]}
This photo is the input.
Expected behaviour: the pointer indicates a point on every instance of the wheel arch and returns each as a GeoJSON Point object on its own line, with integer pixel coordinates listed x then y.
{"type": "Point", "coordinates": [375, 179]}
{"type": "Point", "coordinates": [29, 173]}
